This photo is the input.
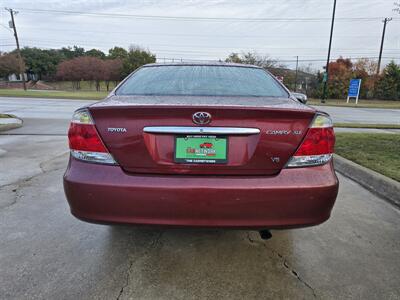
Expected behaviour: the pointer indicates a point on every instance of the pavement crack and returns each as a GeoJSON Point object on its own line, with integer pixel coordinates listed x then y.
{"type": "Point", "coordinates": [287, 266]}
{"type": "Point", "coordinates": [127, 277]}
{"type": "Point", "coordinates": [20, 184]}
{"type": "Point", "coordinates": [17, 190]}
{"type": "Point", "coordinates": [43, 170]}
{"type": "Point", "coordinates": [154, 244]}
{"type": "Point", "coordinates": [284, 261]}
{"type": "Point", "coordinates": [46, 166]}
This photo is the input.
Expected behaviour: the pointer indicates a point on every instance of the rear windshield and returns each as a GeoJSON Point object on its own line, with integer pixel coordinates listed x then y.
{"type": "Point", "coordinates": [202, 81]}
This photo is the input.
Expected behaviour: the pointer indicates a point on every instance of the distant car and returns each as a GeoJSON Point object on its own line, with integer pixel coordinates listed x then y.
{"type": "Point", "coordinates": [271, 166]}
{"type": "Point", "coordinates": [206, 145]}
{"type": "Point", "coordinates": [301, 97]}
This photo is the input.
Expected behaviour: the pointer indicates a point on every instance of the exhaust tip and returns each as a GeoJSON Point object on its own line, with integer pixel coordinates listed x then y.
{"type": "Point", "coordinates": [265, 234]}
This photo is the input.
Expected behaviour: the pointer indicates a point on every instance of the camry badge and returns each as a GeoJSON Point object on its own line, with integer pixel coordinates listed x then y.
{"type": "Point", "coordinates": [283, 132]}
{"type": "Point", "coordinates": [201, 118]}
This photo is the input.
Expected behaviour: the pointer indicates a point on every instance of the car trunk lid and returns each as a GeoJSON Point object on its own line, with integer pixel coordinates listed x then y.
{"type": "Point", "coordinates": [270, 132]}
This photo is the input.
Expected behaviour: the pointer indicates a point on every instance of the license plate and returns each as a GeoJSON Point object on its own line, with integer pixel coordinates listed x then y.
{"type": "Point", "coordinates": [201, 149]}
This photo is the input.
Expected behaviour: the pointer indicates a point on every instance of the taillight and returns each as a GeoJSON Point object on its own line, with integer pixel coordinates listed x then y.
{"type": "Point", "coordinates": [85, 142]}
{"type": "Point", "coordinates": [317, 146]}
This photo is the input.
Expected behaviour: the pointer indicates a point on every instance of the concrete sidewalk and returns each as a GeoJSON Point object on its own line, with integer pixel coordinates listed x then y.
{"type": "Point", "coordinates": [9, 122]}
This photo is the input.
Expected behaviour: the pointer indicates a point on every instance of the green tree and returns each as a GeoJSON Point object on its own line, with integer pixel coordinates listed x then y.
{"type": "Point", "coordinates": [136, 58]}
{"type": "Point", "coordinates": [69, 53]}
{"type": "Point", "coordinates": [117, 53]}
{"type": "Point", "coordinates": [388, 85]}
{"type": "Point", "coordinates": [41, 62]}
{"type": "Point", "coordinates": [95, 53]}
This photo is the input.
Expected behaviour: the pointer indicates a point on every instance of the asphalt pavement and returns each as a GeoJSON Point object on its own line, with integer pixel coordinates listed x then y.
{"type": "Point", "coordinates": [41, 116]}
{"type": "Point", "coordinates": [45, 253]}
{"type": "Point", "coordinates": [362, 115]}
{"type": "Point", "coordinates": [40, 107]}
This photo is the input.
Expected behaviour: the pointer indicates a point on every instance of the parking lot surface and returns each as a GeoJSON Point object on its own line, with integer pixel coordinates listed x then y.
{"type": "Point", "coordinates": [45, 253]}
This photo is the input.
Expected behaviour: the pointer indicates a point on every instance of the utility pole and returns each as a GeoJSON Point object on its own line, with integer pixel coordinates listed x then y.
{"type": "Point", "coordinates": [295, 78]}
{"type": "Point", "coordinates": [326, 75]}
{"type": "Point", "coordinates": [21, 63]}
{"type": "Point", "coordinates": [385, 21]}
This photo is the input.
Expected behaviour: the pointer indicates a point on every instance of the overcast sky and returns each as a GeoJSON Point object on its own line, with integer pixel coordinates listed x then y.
{"type": "Point", "coordinates": [288, 27]}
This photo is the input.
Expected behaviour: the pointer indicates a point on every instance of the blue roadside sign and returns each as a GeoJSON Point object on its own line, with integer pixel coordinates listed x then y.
{"type": "Point", "coordinates": [354, 89]}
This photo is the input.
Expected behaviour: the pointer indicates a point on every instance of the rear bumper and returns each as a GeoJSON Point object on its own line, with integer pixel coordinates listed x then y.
{"type": "Point", "coordinates": [294, 198]}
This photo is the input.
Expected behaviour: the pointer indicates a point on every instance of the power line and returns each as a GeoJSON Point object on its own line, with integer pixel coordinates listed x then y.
{"type": "Point", "coordinates": [180, 18]}
{"type": "Point", "coordinates": [288, 60]}
{"type": "Point", "coordinates": [6, 27]}
{"type": "Point", "coordinates": [241, 36]}
{"type": "Point", "coordinates": [224, 54]}
{"type": "Point", "coordinates": [249, 48]}
{"type": "Point", "coordinates": [210, 49]}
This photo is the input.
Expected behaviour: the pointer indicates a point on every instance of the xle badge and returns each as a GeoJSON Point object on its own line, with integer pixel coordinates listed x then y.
{"type": "Point", "coordinates": [283, 132]}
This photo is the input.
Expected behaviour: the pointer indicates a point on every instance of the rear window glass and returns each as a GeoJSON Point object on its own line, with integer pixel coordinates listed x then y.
{"type": "Point", "coordinates": [202, 81]}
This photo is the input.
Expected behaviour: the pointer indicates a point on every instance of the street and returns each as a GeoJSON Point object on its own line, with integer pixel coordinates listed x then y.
{"type": "Point", "coordinates": [45, 253]}
{"type": "Point", "coordinates": [51, 116]}
{"type": "Point", "coordinates": [362, 115]}
{"type": "Point", "coordinates": [44, 116]}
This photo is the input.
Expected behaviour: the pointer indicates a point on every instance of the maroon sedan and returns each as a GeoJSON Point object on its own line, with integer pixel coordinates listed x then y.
{"type": "Point", "coordinates": [138, 157]}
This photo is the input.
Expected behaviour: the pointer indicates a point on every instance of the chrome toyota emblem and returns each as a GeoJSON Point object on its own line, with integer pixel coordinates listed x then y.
{"type": "Point", "coordinates": [201, 118]}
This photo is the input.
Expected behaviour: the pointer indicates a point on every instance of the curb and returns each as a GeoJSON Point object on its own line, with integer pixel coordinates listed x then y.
{"type": "Point", "coordinates": [15, 123]}
{"type": "Point", "coordinates": [379, 184]}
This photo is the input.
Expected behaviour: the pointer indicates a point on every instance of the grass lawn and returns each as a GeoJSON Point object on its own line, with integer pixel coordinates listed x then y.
{"type": "Point", "coordinates": [85, 85]}
{"type": "Point", "coordinates": [362, 125]}
{"type": "Point", "coordinates": [86, 95]}
{"type": "Point", "coordinates": [361, 103]}
{"type": "Point", "coordinates": [5, 116]}
{"type": "Point", "coordinates": [377, 151]}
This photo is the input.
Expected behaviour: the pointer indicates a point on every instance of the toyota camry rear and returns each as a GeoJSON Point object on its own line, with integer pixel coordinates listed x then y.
{"type": "Point", "coordinates": [211, 145]}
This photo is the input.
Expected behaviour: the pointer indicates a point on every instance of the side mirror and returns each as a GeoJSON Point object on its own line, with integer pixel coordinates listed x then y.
{"type": "Point", "coordinates": [301, 97]}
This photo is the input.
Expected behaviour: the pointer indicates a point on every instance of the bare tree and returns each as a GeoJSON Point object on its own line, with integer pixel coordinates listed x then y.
{"type": "Point", "coordinates": [82, 68]}
{"type": "Point", "coordinates": [70, 70]}
{"type": "Point", "coordinates": [112, 71]}
{"type": "Point", "coordinates": [91, 69]}
{"type": "Point", "coordinates": [8, 64]}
